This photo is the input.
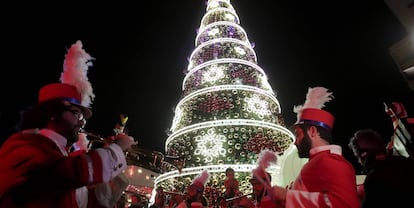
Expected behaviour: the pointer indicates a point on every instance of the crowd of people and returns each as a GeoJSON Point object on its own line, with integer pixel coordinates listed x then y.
{"type": "Point", "coordinates": [41, 167]}
{"type": "Point", "coordinates": [328, 179]}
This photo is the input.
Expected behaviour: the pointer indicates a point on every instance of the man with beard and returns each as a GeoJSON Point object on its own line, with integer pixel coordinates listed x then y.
{"type": "Point", "coordinates": [36, 169]}
{"type": "Point", "coordinates": [327, 179]}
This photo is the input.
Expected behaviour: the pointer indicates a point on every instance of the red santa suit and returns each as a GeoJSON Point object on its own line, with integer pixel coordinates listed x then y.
{"type": "Point", "coordinates": [41, 174]}
{"type": "Point", "coordinates": [327, 180]}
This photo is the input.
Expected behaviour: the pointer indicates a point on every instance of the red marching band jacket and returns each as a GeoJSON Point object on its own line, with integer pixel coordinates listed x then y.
{"type": "Point", "coordinates": [37, 171]}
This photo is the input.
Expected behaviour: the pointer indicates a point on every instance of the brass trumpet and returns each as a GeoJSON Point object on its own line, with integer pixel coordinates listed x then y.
{"type": "Point", "coordinates": [94, 140]}
{"type": "Point", "coordinates": [91, 136]}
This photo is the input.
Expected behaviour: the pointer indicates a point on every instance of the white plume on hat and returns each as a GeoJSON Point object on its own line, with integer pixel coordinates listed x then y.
{"type": "Point", "coordinates": [265, 159]}
{"type": "Point", "coordinates": [75, 71]}
{"type": "Point", "coordinates": [315, 98]}
{"type": "Point", "coordinates": [202, 178]}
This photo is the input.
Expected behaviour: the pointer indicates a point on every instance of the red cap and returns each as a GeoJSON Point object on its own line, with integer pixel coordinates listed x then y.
{"type": "Point", "coordinates": [65, 91]}
{"type": "Point", "coordinates": [316, 117]}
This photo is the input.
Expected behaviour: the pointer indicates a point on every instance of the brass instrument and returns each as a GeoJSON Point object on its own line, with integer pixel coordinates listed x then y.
{"type": "Point", "coordinates": [235, 201]}
{"type": "Point", "coordinates": [238, 197]}
{"type": "Point", "coordinates": [152, 160]}
{"type": "Point", "coordinates": [95, 141]}
{"type": "Point", "coordinates": [174, 193]}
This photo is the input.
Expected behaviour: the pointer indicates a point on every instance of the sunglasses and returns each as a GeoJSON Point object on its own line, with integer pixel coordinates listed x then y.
{"type": "Point", "coordinates": [78, 114]}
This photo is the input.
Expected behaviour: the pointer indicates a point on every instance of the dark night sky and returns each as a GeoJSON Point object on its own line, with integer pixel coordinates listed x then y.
{"type": "Point", "coordinates": [141, 52]}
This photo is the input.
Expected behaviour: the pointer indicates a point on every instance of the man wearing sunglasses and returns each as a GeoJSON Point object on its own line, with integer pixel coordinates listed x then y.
{"type": "Point", "coordinates": [36, 169]}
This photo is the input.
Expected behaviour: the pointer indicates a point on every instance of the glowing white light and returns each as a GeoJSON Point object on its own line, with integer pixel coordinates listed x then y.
{"type": "Point", "coordinates": [229, 17]}
{"type": "Point", "coordinates": [213, 74]}
{"type": "Point", "coordinates": [218, 123]}
{"type": "Point", "coordinates": [214, 4]}
{"type": "Point", "coordinates": [131, 171]}
{"type": "Point", "coordinates": [225, 61]}
{"type": "Point", "coordinates": [263, 81]}
{"type": "Point", "coordinates": [239, 50]}
{"type": "Point", "coordinates": [219, 24]}
{"type": "Point", "coordinates": [214, 31]}
{"type": "Point", "coordinates": [220, 41]}
{"type": "Point", "coordinates": [230, 87]}
{"type": "Point", "coordinates": [199, 169]}
{"type": "Point", "coordinates": [238, 81]}
{"type": "Point", "coordinates": [210, 145]}
{"type": "Point", "coordinates": [233, 18]}
{"type": "Point", "coordinates": [257, 105]}
{"type": "Point", "coordinates": [177, 117]}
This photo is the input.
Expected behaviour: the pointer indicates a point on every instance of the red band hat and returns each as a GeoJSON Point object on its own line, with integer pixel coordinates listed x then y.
{"type": "Point", "coordinates": [311, 113]}
{"type": "Point", "coordinates": [67, 92]}
{"type": "Point", "coordinates": [316, 117]}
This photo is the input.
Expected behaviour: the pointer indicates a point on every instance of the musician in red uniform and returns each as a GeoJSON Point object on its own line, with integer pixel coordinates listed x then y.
{"type": "Point", "coordinates": [36, 170]}
{"type": "Point", "coordinates": [327, 179]}
{"type": "Point", "coordinates": [176, 197]}
{"type": "Point", "coordinates": [231, 184]}
{"type": "Point", "coordinates": [261, 182]}
{"type": "Point", "coordinates": [160, 197]}
{"type": "Point", "coordinates": [102, 195]}
{"type": "Point", "coordinates": [194, 196]}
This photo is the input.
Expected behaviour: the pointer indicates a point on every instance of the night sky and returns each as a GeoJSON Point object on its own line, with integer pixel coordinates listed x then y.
{"type": "Point", "coordinates": [141, 51]}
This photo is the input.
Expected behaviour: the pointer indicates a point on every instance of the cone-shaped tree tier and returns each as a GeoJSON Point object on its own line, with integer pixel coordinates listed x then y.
{"type": "Point", "coordinates": [228, 112]}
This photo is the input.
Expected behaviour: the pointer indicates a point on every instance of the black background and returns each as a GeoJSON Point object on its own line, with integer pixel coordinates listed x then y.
{"type": "Point", "coordinates": [141, 50]}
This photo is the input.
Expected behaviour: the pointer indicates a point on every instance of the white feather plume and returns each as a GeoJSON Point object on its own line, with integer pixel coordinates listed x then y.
{"type": "Point", "coordinates": [315, 98]}
{"type": "Point", "coordinates": [75, 71]}
{"type": "Point", "coordinates": [203, 177]}
{"type": "Point", "coordinates": [266, 158]}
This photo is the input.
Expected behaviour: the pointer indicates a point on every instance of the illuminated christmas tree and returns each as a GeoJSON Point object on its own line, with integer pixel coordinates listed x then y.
{"type": "Point", "coordinates": [228, 112]}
